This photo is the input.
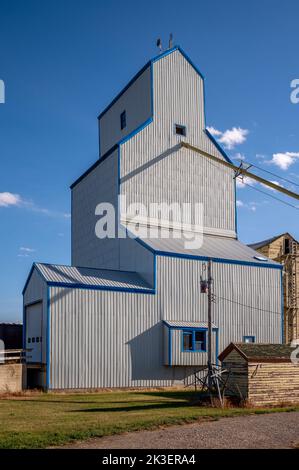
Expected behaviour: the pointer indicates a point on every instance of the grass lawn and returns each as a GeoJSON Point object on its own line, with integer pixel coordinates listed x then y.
{"type": "Point", "coordinates": [48, 419]}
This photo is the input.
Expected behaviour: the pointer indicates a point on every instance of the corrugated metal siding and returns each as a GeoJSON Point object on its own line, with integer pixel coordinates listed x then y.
{"type": "Point", "coordinates": [184, 358]}
{"type": "Point", "coordinates": [136, 101]}
{"type": "Point", "coordinates": [107, 339]}
{"type": "Point", "coordinates": [37, 290]}
{"type": "Point", "coordinates": [246, 286]}
{"type": "Point", "coordinates": [112, 339]}
{"type": "Point", "coordinates": [135, 257]}
{"type": "Point", "coordinates": [92, 277]}
{"type": "Point", "coordinates": [178, 98]}
{"type": "Point", "coordinates": [101, 185]}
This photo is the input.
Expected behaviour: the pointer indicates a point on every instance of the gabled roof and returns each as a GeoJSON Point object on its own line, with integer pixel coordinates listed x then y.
{"type": "Point", "coordinates": [260, 352]}
{"type": "Point", "coordinates": [99, 279]}
{"type": "Point", "coordinates": [148, 64]}
{"type": "Point", "coordinates": [222, 249]}
{"type": "Point", "coordinates": [266, 242]}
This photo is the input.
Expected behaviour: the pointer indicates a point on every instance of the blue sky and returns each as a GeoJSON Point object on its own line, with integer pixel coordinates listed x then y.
{"type": "Point", "coordinates": [63, 61]}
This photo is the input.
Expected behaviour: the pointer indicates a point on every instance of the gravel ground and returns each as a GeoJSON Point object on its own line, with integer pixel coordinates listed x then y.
{"type": "Point", "coordinates": [275, 431]}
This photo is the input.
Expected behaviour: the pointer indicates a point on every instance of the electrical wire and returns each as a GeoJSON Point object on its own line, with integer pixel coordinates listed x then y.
{"type": "Point", "coordinates": [248, 306]}
{"type": "Point", "coordinates": [271, 173]}
{"type": "Point", "coordinates": [272, 196]}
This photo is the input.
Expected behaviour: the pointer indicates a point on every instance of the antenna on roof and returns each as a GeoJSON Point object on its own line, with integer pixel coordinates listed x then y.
{"type": "Point", "coordinates": [159, 44]}
{"type": "Point", "coordinates": [170, 43]}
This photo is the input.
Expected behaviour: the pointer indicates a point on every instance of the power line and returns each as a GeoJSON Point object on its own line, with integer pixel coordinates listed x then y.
{"type": "Point", "coordinates": [271, 173]}
{"type": "Point", "coordinates": [272, 196]}
{"type": "Point", "coordinates": [248, 306]}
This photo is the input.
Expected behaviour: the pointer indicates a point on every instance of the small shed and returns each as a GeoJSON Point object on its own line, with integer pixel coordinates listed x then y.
{"type": "Point", "coordinates": [264, 374]}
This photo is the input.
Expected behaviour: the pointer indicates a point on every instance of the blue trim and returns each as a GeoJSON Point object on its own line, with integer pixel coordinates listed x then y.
{"type": "Point", "coordinates": [48, 364]}
{"type": "Point", "coordinates": [34, 265]}
{"type": "Point", "coordinates": [218, 260]}
{"type": "Point", "coordinates": [94, 165]}
{"type": "Point", "coordinates": [145, 245]}
{"type": "Point", "coordinates": [218, 146]}
{"type": "Point", "coordinates": [249, 337]}
{"type": "Point", "coordinates": [282, 308]}
{"type": "Point", "coordinates": [193, 331]}
{"type": "Point", "coordinates": [178, 48]}
{"type": "Point", "coordinates": [134, 290]}
{"type": "Point", "coordinates": [169, 347]}
{"type": "Point", "coordinates": [136, 131]}
{"type": "Point", "coordinates": [124, 89]}
{"type": "Point", "coordinates": [149, 120]}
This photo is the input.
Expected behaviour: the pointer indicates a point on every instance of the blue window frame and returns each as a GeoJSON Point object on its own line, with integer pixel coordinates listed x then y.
{"type": "Point", "coordinates": [249, 339]}
{"type": "Point", "coordinates": [194, 340]}
{"type": "Point", "coordinates": [123, 120]}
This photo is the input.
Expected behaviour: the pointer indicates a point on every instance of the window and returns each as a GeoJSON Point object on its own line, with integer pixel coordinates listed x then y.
{"type": "Point", "coordinates": [286, 243]}
{"type": "Point", "coordinates": [123, 120]}
{"type": "Point", "coordinates": [180, 130]}
{"type": "Point", "coordinates": [194, 340]}
{"type": "Point", "coordinates": [37, 339]}
{"type": "Point", "coordinates": [249, 339]}
{"type": "Point", "coordinates": [29, 340]}
{"type": "Point", "coordinates": [33, 340]}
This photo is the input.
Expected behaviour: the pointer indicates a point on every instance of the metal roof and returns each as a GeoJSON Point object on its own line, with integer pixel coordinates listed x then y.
{"type": "Point", "coordinates": [89, 277]}
{"type": "Point", "coordinates": [263, 243]}
{"type": "Point", "coordinates": [261, 352]}
{"type": "Point", "coordinates": [214, 247]}
{"type": "Point", "coordinates": [187, 324]}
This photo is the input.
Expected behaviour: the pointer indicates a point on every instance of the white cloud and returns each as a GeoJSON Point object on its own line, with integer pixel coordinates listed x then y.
{"type": "Point", "coordinates": [284, 160]}
{"type": "Point", "coordinates": [26, 249]}
{"type": "Point", "coordinates": [232, 137]}
{"type": "Point", "coordinates": [9, 199]}
{"type": "Point", "coordinates": [239, 203]}
{"type": "Point", "coordinates": [242, 181]}
{"type": "Point", "coordinates": [239, 156]}
{"type": "Point", "coordinates": [214, 131]}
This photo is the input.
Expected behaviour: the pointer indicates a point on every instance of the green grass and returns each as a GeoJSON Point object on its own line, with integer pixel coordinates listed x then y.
{"type": "Point", "coordinates": [47, 419]}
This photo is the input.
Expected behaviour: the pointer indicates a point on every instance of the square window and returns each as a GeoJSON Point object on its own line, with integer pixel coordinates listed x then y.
{"type": "Point", "coordinates": [249, 339]}
{"type": "Point", "coordinates": [123, 120]}
{"type": "Point", "coordinates": [194, 340]}
{"type": "Point", "coordinates": [180, 130]}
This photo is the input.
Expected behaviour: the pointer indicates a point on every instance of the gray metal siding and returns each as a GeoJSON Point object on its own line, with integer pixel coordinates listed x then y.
{"type": "Point", "coordinates": [146, 164]}
{"type": "Point", "coordinates": [107, 339]}
{"type": "Point", "coordinates": [135, 257]}
{"type": "Point", "coordinates": [101, 185]}
{"type": "Point", "coordinates": [184, 358]}
{"type": "Point", "coordinates": [255, 292]}
{"type": "Point", "coordinates": [36, 290]}
{"type": "Point", "coordinates": [136, 101]}
{"type": "Point", "coordinates": [113, 339]}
